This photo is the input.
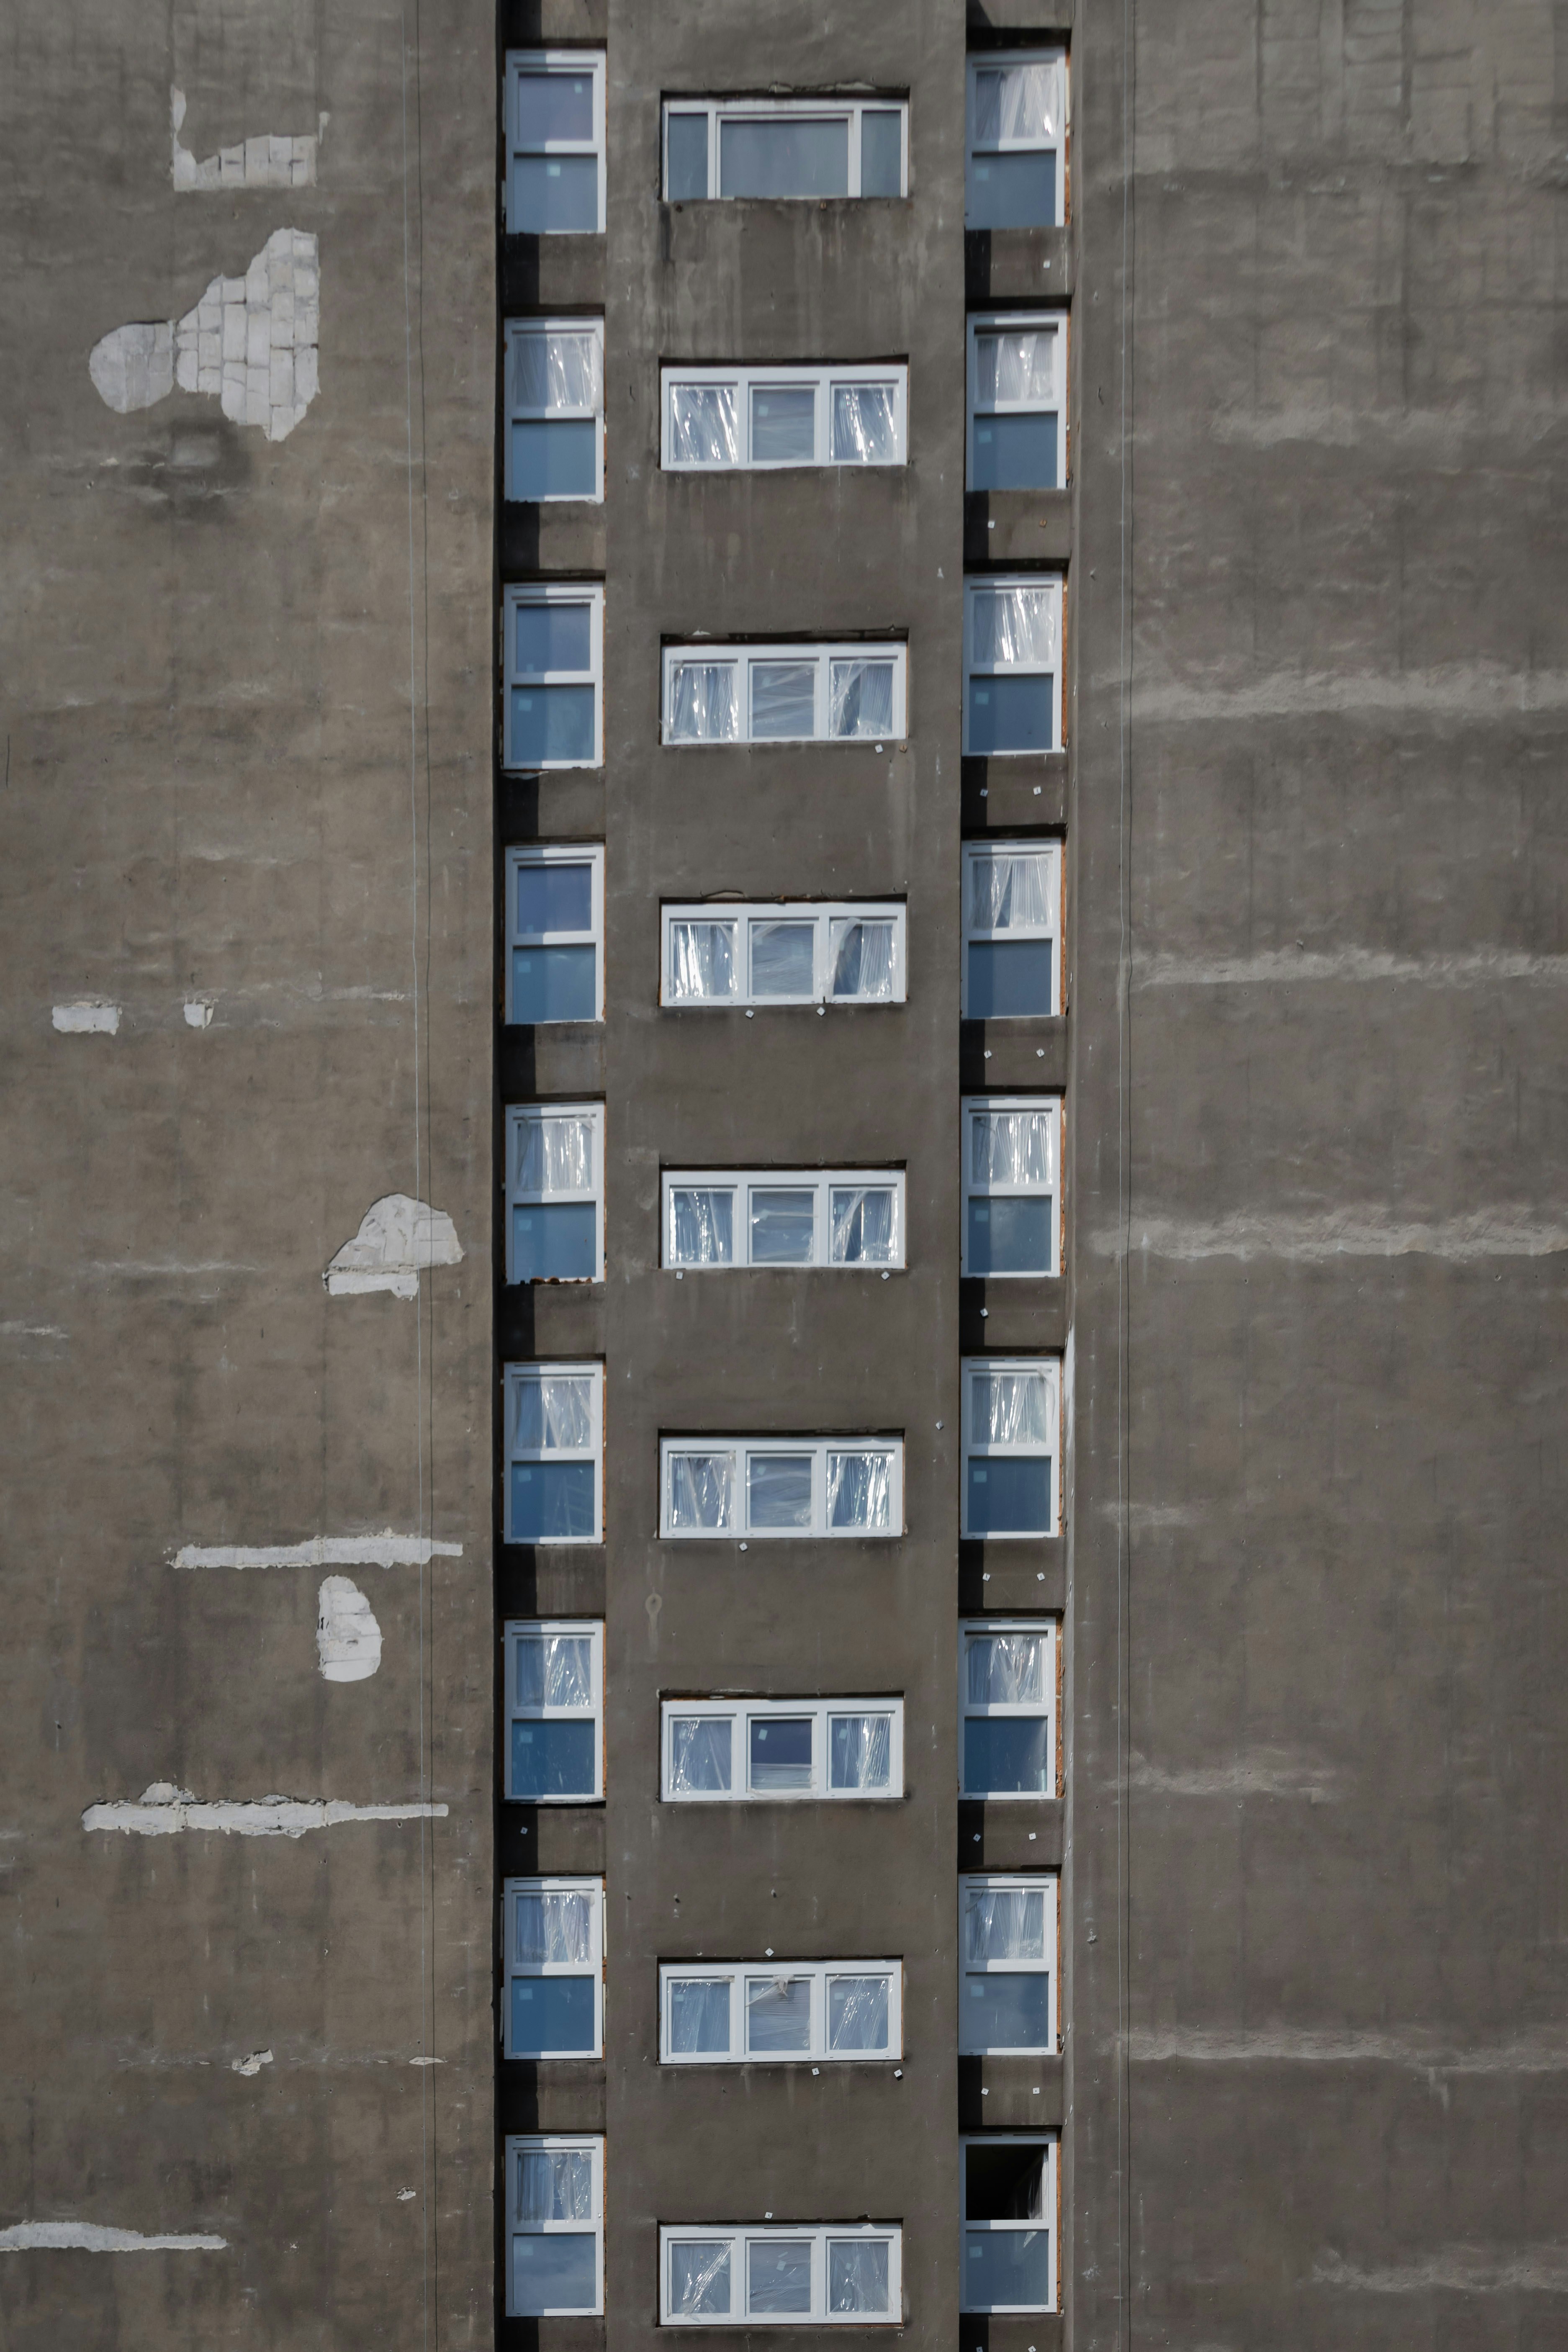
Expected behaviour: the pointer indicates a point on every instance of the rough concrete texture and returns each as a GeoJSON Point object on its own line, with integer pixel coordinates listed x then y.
{"type": "Point", "coordinates": [247, 2072]}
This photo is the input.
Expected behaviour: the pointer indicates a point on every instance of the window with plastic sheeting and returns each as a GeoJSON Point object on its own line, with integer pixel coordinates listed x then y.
{"type": "Point", "coordinates": [1018, 401]}
{"type": "Point", "coordinates": [1010, 2222]}
{"type": "Point", "coordinates": [1007, 1935]}
{"type": "Point", "coordinates": [781, 2011]}
{"type": "Point", "coordinates": [554, 933]}
{"type": "Point", "coordinates": [1010, 1455]}
{"type": "Point", "coordinates": [554, 408]}
{"type": "Point", "coordinates": [782, 954]}
{"type": "Point", "coordinates": [554, 1421]}
{"type": "Point", "coordinates": [554, 2226]}
{"type": "Point", "coordinates": [1016, 175]}
{"type": "Point", "coordinates": [716, 1220]}
{"type": "Point", "coordinates": [552, 1951]}
{"type": "Point", "coordinates": [556, 1711]}
{"type": "Point", "coordinates": [736, 1751]}
{"type": "Point", "coordinates": [555, 143]}
{"type": "Point", "coordinates": [1007, 1708]}
{"type": "Point", "coordinates": [781, 1488]}
{"type": "Point", "coordinates": [765, 418]}
{"type": "Point", "coordinates": [1012, 930]}
{"type": "Point", "coordinates": [554, 639]}
{"type": "Point", "coordinates": [716, 694]}
{"type": "Point", "coordinates": [1011, 1203]}
{"type": "Point", "coordinates": [554, 1192]}
{"type": "Point", "coordinates": [802, 2274]}
{"type": "Point", "coordinates": [1012, 665]}
{"type": "Point", "coordinates": [799, 148]}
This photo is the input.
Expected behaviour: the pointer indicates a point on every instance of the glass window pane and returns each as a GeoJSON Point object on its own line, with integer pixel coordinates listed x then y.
{"type": "Point", "coordinates": [1013, 191]}
{"type": "Point", "coordinates": [1010, 1236]}
{"type": "Point", "coordinates": [1010, 891]}
{"type": "Point", "coordinates": [552, 2015]}
{"type": "Point", "coordinates": [555, 1241]}
{"type": "Point", "coordinates": [555, 2270]}
{"type": "Point", "coordinates": [778, 2014]}
{"type": "Point", "coordinates": [686, 140]}
{"type": "Point", "coordinates": [556, 1928]}
{"type": "Point", "coordinates": [1014, 453]}
{"type": "Point", "coordinates": [778, 1490]}
{"type": "Point", "coordinates": [555, 195]}
{"type": "Point", "coordinates": [1008, 1755]}
{"type": "Point", "coordinates": [782, 155]}
{"type": "Point", "coordinates": [701, 1491]}
{"type": "Point", "coordinates": [559, 369]}
{"type": "Point", "coordinates": [780, 1752]}
{"type": "Point", "coordinates": [554, 637]}
{"type": "Point", "coordinates": [1010, 1496]}
{"type": "Point", "coordinates": [554, 458]}
{"type": "Point", "coordinates": [778, 2274]}
{"type": "Point", "coordinates": [1011, 1147]}
{"type": "Point", "coordinates": [700, 2017]}
{"type": "Point", "coordinates": [865, 425]}
{"type": "Point", "coordinates": [783, 700]}
{"type": "Point", "coordinates": [881, 153]}
{"type": "Point", "coordinates": [1006, 2269]}
{"type": "Point", "coordinates": [1005, 2181]}
{"type": "Point", "coordinates": [1009, 1408]}
{"type": "Point", "coordinates": [784, 425]}
{"type": "Point", "coordinates": [1004, 1923]}
{"type": "Point", "coordinates": [861, 699]}
{"type": "Point", "coordinates": [553, 1759]}
{"type": "Point", "coordinates": [551, 724]}
{"type": "Point", "coordinates": [860, 1748]}
{"type": "Point", "coordinates": [857, 2013]}
{"type": "Point", "coordinates": [1016, 366]}
{"type": "Point", "coordinates": [1013, 625]}
{"type": "Point", "coordinates": [1003, 2012]}
{"type": "Point", "coordinates": [857, 2276]}
{"type": "Point", "coordinates": [784, 1224]}
{"type": "Point", "coordinates": [700, 1754]}
{"type": "Point", "coordinates": [1007, 1669]}
{"type": "Point", "coordinates": [702, 430]}
{"type": "Point", "coordinates": [701, 962]}
{"type": "Point", "coordinates": [701, 1226]}
{"type": "Point", "coordinates": [1015, 102]}
{"type": "Point", "coordinates": [1012, 714]}
{"type": "Point", "coordinates": [864, 961]}
{"type": "Point", "coordinates": [554, 1153]}
{"type": "Point", "coordinates": [782, 959]}
{"type": "Point", "coordinates": [554, 1670]}
{"type": "Point", "coordinates": [553, 1502]}
{"type": "Point", "coordinates": [555, 897]}
{"type": "Point", "coordinates": [864, 1225]}
{"type": "Point", "coordinates": [700, 2277]}
{"type": "Point", "coordinates": [554, 984]}
{"type": "Point", "coordinates": [1009, 978]}
{"type": "Point", "coordinates": [552, 106]}
{"type": "Point", "coordinates": [553, 1412]}
{"type": "Point", "coordinates": [859, 1491]}
{"type": "Point", "coordinates": [703, 708]}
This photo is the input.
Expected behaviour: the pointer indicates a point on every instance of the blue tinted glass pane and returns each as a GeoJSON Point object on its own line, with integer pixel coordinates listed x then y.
{"type": "Point", "coordinates": [554, 2014]}
{"type": "Point", "coordinates": [1012, 714]}
{"type": "Point", "coordinates": [556, 2271]}
{"type": "Point", "coordinates": [555, 195]}
{"type": "Point", "coordinates": [555, 1241]}
{"type": "Point", "coordinates": [1009, 977]}
{"type": "Point", "coordinates": [553, 106]}
{"type": "Point", "coordinates": [1007, 2268]}
{"type": "Point", "coordinates": [781, 1753]}
{"type": "Point", "coordinates": [784, 425]}
{"type": "Point", "coordinates": [553, 984]}
{"type": "Point", "coordinates": [1010, 1497]}
{"type": "Point", "coordinates": [1006, 1755]}
{"type": "Point", "coordinates": [552, 1760]}
{"type": "Point", "coordinates": [881, 155]}
{"type": "Point", "coordinates": [686, 170]}
{"type": "Point", "coordinates": [552, 1500]}
{"type": "Point", "coordinates": [1014, 453]}
{"type": "Point", "coordinates": [779, 155]}
{"type": "Point", "coordinates": [557, 460]}
{"type": "Point", "coordinates": [555, 897]}
{"type": "Point", "coordinates": [1010, 1236]}
{"type": "Point", "coordinates": [1013, 191]}
{"type": "Point", "coordinates": [1005, 2012]}
{"type": "Point", "coordinates": [553, 636]}
{"type": "Point", "coordinates": [552, 723]}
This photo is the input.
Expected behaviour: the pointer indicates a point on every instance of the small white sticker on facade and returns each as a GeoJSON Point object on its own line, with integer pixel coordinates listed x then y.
{"type": "Point", "coordinates": [87, 1020]}
{"type": "Point", "coordinates": [268, 162]}
{"type": "Point", "coordinates": [348, 1639]}
{"type": "Point", "coordinates": [397, 1237]}
{"type": "Point", "coordinates": [250, 341]}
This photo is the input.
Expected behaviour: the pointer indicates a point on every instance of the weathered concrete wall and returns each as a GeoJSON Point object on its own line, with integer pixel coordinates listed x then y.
{"type": "Point", "coordinates": [223, 813]}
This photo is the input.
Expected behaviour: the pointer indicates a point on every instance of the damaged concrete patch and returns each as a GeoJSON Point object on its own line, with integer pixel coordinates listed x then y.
{"type": "Point", "coordinates": [161, 1810]}
{"type": "Point", "coordinates": [268, 162]}
{"type": "Point", "coordinates": [252, 343]}
{"type": "Point", "coordinates": [380, 1550]}
{"type": "Point", "coordinates": [87, 1020]}
{"type": "Point", "coordinates": [253, 2065]}
{"type": "Point", "coordinates": [91, 2238]}
{"type": "Point", "coordinates": [348, 1639]}
{"type": "Point", "coordinates": [397, 1236]}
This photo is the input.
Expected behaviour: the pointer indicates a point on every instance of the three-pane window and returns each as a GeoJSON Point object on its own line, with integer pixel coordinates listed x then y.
{"type": "Point", "coordinates": [1007, 1708]}
{"type": "Point", "coordinates": [552, 1949]}
{"type": "Point", "coordinates": [555, 642]}
{"type": "Point", "coordinates": [555, 934]}
{"type": "Point", "coordinates": [556, 1711]}
{"type": "Point", "coordinates": [556, 141]}
{"type": "Point", "coordinates": [554, 1451]}
{"type": "Point", "coordinates": [555, 408]}
{"type": "Point", "coordinates": [554, 2226]}
{"type": "Point", "coordinates": [783, 694]}
{"type": "Point", "coordinates": [1011, 1407]}
{"type": "Point", "coordinates": [790, 147]}
{"type": "Point", "coordinates": [738, 1751]}
{"type": "Point", "coordinates": [1012, 924]}
{"type": "Point", "coordinates": [798, 2274]}
{"type": "Point", "coordinates": [1016, 174]}
{"type": "Point", "coordinates": [1008, 1930]}
{"type": "Point", "coordinates": [1018, 402]}
{"type": "Point", "coordinates": [555, 1192]}
{"type": "Point", "coordinates": [775, 1488]}
{"type": "Point", "coordinates": [755, 417]}
{"type": "Point", "coordinates": [1009, 2223]}
{"type": "Point", "coordinates": [780, 2010]}
{"type": "Point", "coordinates": [784, 1217]}
{"type": "Point", "coordinates": [1012, 665]}
{"type": "Point", "coordinates": [784, 954]}
{"type": "Point", "coordinates": [1012, 1209]}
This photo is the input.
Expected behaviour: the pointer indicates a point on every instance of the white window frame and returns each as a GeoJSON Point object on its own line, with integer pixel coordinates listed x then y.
{"type": "Point", "coordinates": [830, 917]}
{"type": "Point", "coordinates": [1050, 2221]}
{"type": "Point", "coordinates": [558, 853]}
{"type": "Point", "coordinates": [821, 653]}
{"type": "Point", "coordinates": [984, 1882]}
{"type": "Point", "coordinates": [979, 1628]}
{"type": "Point", "coordinates": [532, 61]}
{"type": "Point", "coordinates": [512, 1966]}
{"type": "Point", "coordinates": [980, 61]}
{"type": "Point", "coordinates": [744, 1450]}
{"type": "Point", "coordinates": [1051, 1367]}
{"type": "Point", "coordinates": [817, 1973]}
{"type": "Point", "coordinates": [554, 591]}
{"type": "Point", "coordinates": [740, 1713]}
{"type": "Point", "coordinates": [827, 108]}
{"type": "Point", "coordinates": [973, 1107]}
{"type": "Point", "coordinates": [983, 583]}
{"type": "Point", "coordinates": [822, 1184]}
{"type": "Point", "coordinates": [745, 381]}
{"type": "Point", "coordinates": [517, 2144]}
{"type": "Point", "coordinates": [978, 851]}
{"type": "Point", "coordinates": [519, 1116]}
{"type": "Point", "coordinates": [513, 1375]}
{"type": "Point", "coordinates": [741, 2237]}
{"type": "Point", "coordinates": [993, 322]}
{"type": "Point", "coordinates": [579, 1628]}
{"type": "Point", "coordinates": [518, 330]}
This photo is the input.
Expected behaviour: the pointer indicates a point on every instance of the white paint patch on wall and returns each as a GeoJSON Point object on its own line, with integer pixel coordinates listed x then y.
{"type": "Point", "coordinates": [253, 2065]}
{"type": "Point", "coordinates": [91, 2238]}
{"type": "Point", "coordinates": [86, 1020]}
{"type": "Point", "coordinates": [348, 1639]}
{"type": "Point", "coordinates": [198, 1013]}
{"type": "Point", "coordinates": [397, 1236]}
{"type": "Point", "coordinates": [268, 162]}
{"type": "Point", "coordinates": [381, 1550]}
{"type": "Point", "coordinates": [162, 1809]}
{"type": "Point", "coordinates": [251, 341]}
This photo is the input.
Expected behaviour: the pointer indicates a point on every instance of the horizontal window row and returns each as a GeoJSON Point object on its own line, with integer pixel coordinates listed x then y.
{"type": "Point", "coordinates": [715, 1219]}
{"type": "Point", "coordinates": [779, 954]}
{"type": "Point", "coordinates": [732, 1751]}
{"type": "Point", "coordinates": [783, 2276]}
{"type": "Point", "coordinates": [719, 418]}
{"type": "Point", "coordinates": [789, 147]}
{"type": "Point", "coordinates": [776, 2010]}
{"type": "Point", "coordinates": [782, 694]}
{"type": "Point", "coordinates": [769, 1487]}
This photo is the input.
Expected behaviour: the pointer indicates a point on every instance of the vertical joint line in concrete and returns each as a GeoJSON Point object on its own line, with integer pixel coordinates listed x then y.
{"type": "Point", "coordinates": [1124, 1183]}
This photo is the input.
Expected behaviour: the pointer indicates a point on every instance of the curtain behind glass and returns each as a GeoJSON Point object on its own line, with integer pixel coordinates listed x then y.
{"type": "Point", "coordinates": [554, 1414]}
{"type": "Point", "coordinates": [699, 2017]}
{"type": "Point", "coordinates": [1005, 1923]}
{"type": "Point", "coordinates": [701, 1226]}
{"type": "Point", "coordinates": [698, 1754]}
{"type": "Point", "coordinates": [860, 1491]}
{"type": "Point", "coordinates": [1016, 367]}
{"type": "Point", "coordinates": [1008, 1409]}
{"type": "Point", "coordinates": [861, 1748]}
{"type": "Point", "coordinates": [863, 1225]}
{"type": "Point", "coordinates": [555, 1155]}
{"type": "Point", "coordinates": [1010, 1146]}
{"type": "Point", "coordinates": [861, 694]}
{"type": "Point", "coordinates": [1015, 102]}
{"type": "Point", "coordinates": [857, 2276]}
{"type": "Point", "coordinates": [699, 2276]}
{"type": "Point", "coordinates": [701, 961]}
{"type": "Point", "coordinates": [704, 705]}
{"type": "Point", "coordinates": [1013, 625]}
{"type": "Point", "coordinates": [702, 425]}
{"type": "Point", "coordinates": [863, 960]}
{"type": "Point", "coordinates": [865, 425]}
{"type": "Point", "coordinates": [701, 1490]}
{"type": "Point", "coordinates": [1010, 891]}
{"type": "Point", "coordinates": [556, 1670]}
{"type": "Point", "coordinates": [556, 371]}
{"type": "Point", "coordinates": [554, 1929]}
{"type": "Point", "coordinates": [557, 2185]}
{"type": "Point", "coordinates": [1007, 1670]}
{"type": "Point", "coordinates": [857, 2013]}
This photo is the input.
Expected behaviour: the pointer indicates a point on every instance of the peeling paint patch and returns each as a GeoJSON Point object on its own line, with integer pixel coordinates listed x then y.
{"type": "Point", "coordinates": [397, 1236]}
{"type": "Point", "coordinates": [348, 1639]}
{"type": "Point", "coordinates": [90, 2238]}
{"type": "Point", "coordinates": [161, 1810]}
{"type": "Point", "coordinates": [427, 2062]}
{"type": "Point", "coordinates": [1462, 2270]}
{"type": "Point", "coordinates": [253, 2065]}
{"type": "Point", "coordinates": [252, 343]}
{"type": "Point", "coordinates": [382, 1550]}
{"type": "Point", "coordinates": [406, 2196]}
{"type": "Point", "coordinates": [1504, 1231]}
{"type": "Point", "coordinates": [87, 1020]}
{"type": "Point", "coordinates": [268, 162]}
{"type": "Point", "coordinates": [198, 1013]}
